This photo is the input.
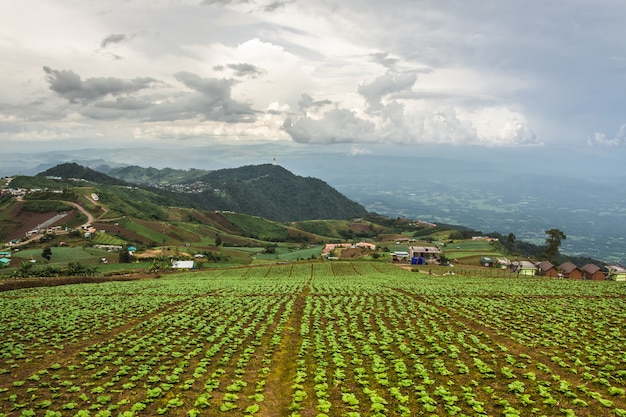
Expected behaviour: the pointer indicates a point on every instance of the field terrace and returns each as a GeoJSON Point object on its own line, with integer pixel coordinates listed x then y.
{"type": "Point", "coordinates": [315, 339]}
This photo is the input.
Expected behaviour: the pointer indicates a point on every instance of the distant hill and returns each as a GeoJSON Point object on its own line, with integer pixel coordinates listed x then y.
{"type": "Point", "coordinates": [274, 193]}
{"type": "Point", "coordinates": [152, 176]}
{"type": "Point", "coordinates": [73, 170]}
{"type": "Point", "coordinates": [268, 191]}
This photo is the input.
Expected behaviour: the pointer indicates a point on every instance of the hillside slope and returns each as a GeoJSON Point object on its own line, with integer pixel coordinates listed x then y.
{"type": "Point", "coordinates": [73, 170]}
{"type": "Point", "coordinates": [267, 191]}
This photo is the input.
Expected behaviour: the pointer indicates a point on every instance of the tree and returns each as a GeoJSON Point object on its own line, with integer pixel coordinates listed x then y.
{"type": "Point", "coordinates": [553, 242]}
{"type": "Point", "coordinates": [160, 263]}
{"type": "Point", "coordinates": [46, 253]}
{"type": "Point", "coordinates": [125, 256]}
{"type": "Point", "coordinates": [511, 238]}
{"type": "Point", "coordinates": [24, 270]}
{"type": "Point", "coordinates": [218, 240]}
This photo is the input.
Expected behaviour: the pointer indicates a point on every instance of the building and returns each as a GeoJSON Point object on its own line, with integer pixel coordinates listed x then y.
{"type": "Point", "coordinates": [569, 270]}
{"type": "Point", "coordinates": [592, 272]}
{"type": "Point", "coordinates": [546, 269]}
{"type": "Point", "coordinates": [504, 263]}
{"type": "Point", "coordinates": [524, 268]}
{"type": "Point", "coordinates": [486, 261]}
{"type": "Point", "coordinates": [616, 273]}
{"type": "Point", "coordinates": [426, 252]}
{"type": "Point", "coordinates": [400, 256]}
{"type": "Point", "coordinates": [182, 264]}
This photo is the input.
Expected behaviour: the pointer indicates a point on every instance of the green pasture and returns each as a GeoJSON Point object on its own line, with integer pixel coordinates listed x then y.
{"type": "Point", "coordinates": [470, 245]}
{"type": "Point", "coordinates": [63, 255]}
{"type": "Point", "coordinates": [147, 232]}
{"type": "Point", "coordinates": [264, 229]}
{"type": "Point", "coordinates": [107, 239]}
{"type": "Point", "coordinates": [290, 254]}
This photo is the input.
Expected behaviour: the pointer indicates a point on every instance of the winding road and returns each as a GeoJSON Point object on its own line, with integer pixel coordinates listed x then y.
{"type": "Point", "coordinates": [80, 208]}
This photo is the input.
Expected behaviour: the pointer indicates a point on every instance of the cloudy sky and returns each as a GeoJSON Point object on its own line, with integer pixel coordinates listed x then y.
{"type": "Point", "coordinates": [363, 72]}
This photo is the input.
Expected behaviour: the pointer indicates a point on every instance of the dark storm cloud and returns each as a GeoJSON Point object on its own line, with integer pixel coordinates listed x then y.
{"type": "Point", "coordinates": [113, 38]}
{"type": "Point", "coordinates": [223, 2]}
{"type": "Point", "coordinates": [383, 59]}
{"type": "Point", "coordinates": [242, 70]}
{"type": "Point", "coordinates": [384, 85]}
{"type": "Point", "coordinates": [212, 100]}
{"type": "Point", "coordinates": [307, 102]}
{"type": "Point", "coordinates": [274, 6]}
{"type": "Point", "coordinates": [69, 85]}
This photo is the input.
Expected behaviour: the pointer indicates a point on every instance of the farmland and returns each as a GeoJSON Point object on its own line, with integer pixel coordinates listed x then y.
{"type": "Point", "coordinates": [315, 339]}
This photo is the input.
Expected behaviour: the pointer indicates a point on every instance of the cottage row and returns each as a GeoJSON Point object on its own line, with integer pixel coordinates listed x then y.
{"type": "Point", "coordinates": [569, 270]}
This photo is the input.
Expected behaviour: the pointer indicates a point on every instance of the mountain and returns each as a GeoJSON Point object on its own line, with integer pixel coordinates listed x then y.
{"type": "Point", "coordinates": [241, 207]}
{"type": "Point", "coordinates": [267, 190]}
{"type": "Point", "coordinates": [153, 176]}
{"type": "Point", "coordinates": [73, 170]}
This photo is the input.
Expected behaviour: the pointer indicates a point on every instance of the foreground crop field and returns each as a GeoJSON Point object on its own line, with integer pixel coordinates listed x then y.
{"type": "Point", "coordinates": [315, 339]}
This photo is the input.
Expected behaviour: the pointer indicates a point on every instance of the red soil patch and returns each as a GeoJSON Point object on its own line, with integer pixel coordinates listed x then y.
{"type": "Point", "coordinates": [28, 220]}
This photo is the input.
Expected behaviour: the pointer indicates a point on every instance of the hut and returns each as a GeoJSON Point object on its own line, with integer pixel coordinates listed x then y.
{"type": "Point", "coordinates": [616, 273]}
{"type": "Point", "coordinates": [486, 261]}
{"type": "Point", "coordinates": [569, 270]}
{"type": "Point", "coordinates": [592, 272]}
{"type": "Point", "coordinates": [524, 268]}
{"type": "Point", "coordinates": [546, 269]}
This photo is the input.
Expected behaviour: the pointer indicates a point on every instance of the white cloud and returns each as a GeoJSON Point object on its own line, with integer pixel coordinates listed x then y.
{"type": "Point", "coordinates": [511, 73]}
{"type": "Point", "coordinates": [600, 139]}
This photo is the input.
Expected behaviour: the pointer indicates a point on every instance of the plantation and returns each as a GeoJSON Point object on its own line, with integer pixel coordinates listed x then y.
{"type": "Point", "coordinates": [315, 339]}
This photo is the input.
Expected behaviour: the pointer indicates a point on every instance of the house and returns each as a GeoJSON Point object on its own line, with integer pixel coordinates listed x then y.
{"type": "Point", "coordinates": [546, 269]}
{"type": "Point", "coordinates": [4, 262]}
{"type": "Point", "coordinates": [486, 261]}
{"type": "Point", "coordinates": [182, 264]}
{"type": "Point", "coordinates": [5, 254]}
{"type": "Point", "coordinates": [524, 268]}
{"type": "Point", "coordinates": [571, 271]}
{"type": "Point", "coordinates": [400, 256]}
{"type": "Point", "coordinates": [616, 273]}
{"type": "Point", "coordinates": [592, 272]}
{"type": "Point", "coordinates": [332, 246]}
{"type": "Point", "coordinates": [426, 252]}
{"type": "Point", "coordinates": [504, 263]}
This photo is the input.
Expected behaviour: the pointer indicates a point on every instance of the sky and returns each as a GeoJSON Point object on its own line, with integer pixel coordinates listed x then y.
{"type": "Point", "coordinates": [360, 73]}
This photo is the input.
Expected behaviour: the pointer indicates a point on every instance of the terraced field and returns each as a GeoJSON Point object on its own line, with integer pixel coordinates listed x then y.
{"type": "Point", "coordinates": [315, 339]}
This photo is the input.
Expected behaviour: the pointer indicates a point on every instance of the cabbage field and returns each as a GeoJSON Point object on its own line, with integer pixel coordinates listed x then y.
{"type": "Point", "coordinates": [315, 339]}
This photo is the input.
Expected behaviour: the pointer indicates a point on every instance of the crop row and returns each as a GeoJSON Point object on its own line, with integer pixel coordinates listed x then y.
{"type": "Point", "coordinates": [343, 339]}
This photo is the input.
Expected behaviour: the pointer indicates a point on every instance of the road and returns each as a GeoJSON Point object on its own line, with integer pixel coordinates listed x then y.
{"type": "Point", "coordinates": [80, 208]}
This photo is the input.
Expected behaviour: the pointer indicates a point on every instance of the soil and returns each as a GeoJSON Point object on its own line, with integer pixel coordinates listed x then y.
{"type": "Point", "coordinates": [117, 230]}
{"type": "Point", "coordinates": [30, 220]}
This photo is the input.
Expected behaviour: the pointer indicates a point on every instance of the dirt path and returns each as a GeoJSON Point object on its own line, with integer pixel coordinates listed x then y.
{"type": "Point", "coordinates": [90, 217]}
{"type": "Point", "coordinates": [279, 382]}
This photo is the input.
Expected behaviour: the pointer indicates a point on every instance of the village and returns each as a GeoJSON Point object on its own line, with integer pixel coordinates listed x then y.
{"type": "Point", "coordinates": [434, 255]}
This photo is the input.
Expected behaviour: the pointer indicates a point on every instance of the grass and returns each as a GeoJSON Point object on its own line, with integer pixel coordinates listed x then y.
{"type": "Point", "coordinates": [291, 254]}
{"type": "Point", "coordinates": [264, 229]}
{"type": "Point", "coordinates": [63, 255]}
{"type": "Point", "coordinates": [147, 232]}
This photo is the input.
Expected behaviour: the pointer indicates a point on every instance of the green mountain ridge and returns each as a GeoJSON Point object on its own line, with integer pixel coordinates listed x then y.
{"type": "Point", "coordinates": [72, 170]}
{"type": "Point", "coordinates": [267, 190]}
{"type": "Point", "coordinates": [241, 207]}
